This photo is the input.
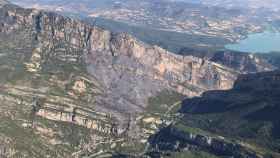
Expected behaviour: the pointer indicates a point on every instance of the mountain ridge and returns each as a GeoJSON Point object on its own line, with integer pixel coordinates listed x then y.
{"type": "Point", "coordinates": [77, 89]}
{"type": "Point", "coordinates": [98, 40]}
{"type": "Point", "coordinates": [61, 72]}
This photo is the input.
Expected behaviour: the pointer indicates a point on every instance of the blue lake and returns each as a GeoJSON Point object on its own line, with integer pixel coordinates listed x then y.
{"type": "Point", "coordinates": [265, 42]}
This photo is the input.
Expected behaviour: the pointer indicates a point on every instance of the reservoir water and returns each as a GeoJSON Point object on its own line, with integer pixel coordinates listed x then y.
{"type": "Point", "coordinates": [265, 42]}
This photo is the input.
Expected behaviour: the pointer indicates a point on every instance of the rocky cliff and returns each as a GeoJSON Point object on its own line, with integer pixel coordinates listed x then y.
{"type": "Point", "coordinates": [129, 71]}
{"type": "Point", "coordinates": [88, 82]}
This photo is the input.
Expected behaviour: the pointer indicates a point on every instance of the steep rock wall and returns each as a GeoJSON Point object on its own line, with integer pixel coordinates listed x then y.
{"type": "Point", "coordinates": [128, 70]}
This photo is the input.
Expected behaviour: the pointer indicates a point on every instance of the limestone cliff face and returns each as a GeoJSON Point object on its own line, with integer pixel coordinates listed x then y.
{"type": "Point", "coordinates": [128, 70]}
{"type": "Point", "coordinates": [89, 119]}
{"type": "Point", "coordinates": [137, 71]}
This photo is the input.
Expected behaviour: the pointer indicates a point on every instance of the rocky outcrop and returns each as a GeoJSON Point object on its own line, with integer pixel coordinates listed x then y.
{"type": "Point", "coordinates": [64, 110]}
{"type": "Point", "coordinates": [91, 120]}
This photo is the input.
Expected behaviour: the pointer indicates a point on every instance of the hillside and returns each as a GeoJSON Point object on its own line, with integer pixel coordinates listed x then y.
{"type": "Point", "coordinates": [248, 112]}
{"type": "Point", "coordinates": [76, 89]}
{"type": "Point", "coordinates": [241, 122]}
{"type": "Point", "coordinates": [73, 89]}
